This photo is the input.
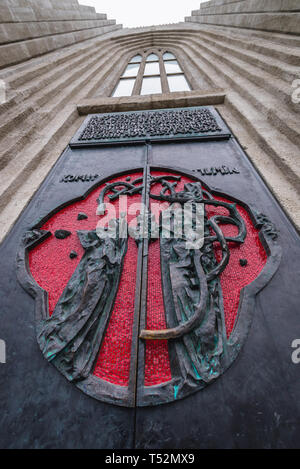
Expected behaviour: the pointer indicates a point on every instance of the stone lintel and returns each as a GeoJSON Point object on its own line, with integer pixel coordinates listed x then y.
{"type": "Point", "coordinates": [142, 103]}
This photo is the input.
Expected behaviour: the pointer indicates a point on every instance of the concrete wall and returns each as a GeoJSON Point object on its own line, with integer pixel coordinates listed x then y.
{"type": "Point", "coordinates": [255, 69]}
{"type": "Point", "coordinates": [29, 28]}
{"type": "Point", "coordinates": [265, 15]}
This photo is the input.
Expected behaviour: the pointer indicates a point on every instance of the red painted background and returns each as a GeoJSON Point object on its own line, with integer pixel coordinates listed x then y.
{"type": "Point", "coordinates": [52, 268]}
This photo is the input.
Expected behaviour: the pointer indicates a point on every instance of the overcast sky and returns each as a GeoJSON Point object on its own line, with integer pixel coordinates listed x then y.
{"type": "Point", "coordinates": [144, 12]}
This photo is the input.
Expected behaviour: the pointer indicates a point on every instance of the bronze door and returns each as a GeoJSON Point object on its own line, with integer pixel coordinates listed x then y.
{"type": "Point", "coordinates": [142, 318]}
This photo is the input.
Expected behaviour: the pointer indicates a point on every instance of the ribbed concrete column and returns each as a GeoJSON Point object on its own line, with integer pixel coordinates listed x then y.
{"type": "Point", "coordinates": [29, 28]}
{"type": "Point", "coordinates": [266, 15]}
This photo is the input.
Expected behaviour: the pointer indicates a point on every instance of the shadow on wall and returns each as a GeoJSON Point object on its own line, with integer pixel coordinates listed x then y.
{"type": "Point", "coordinates": [2, 352]}
{"type": "Point", "coordinates": [2, 92]}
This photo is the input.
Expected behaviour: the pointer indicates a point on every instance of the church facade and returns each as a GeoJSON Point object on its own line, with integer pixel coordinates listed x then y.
{"type": "Point", "coordinates": [134, 339]}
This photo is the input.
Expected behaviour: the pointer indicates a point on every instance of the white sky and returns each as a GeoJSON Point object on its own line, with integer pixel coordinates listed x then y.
{"type": "Point", "coordinates": [132, 13]}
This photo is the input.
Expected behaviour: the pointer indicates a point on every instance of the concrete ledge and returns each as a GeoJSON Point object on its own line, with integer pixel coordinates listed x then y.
{"type": "Point", "coordinates": [274, 22]}
{"type": "Point", "coordinates": [29, 28]}
{"type": "Point", "coordinates": [143, 103]}
{"type": "Point", "coordinates": [46, 10]}
{"type": "Point", "coordinates": [16, 32]}
{"type": "Point", "coordinates": [216, 3]}
{"type": "Point", "coordinates": [266, 15]}
{"type": "Point", "coordinates": [11, 54]}
{"type": "Point", "coordinates": [249, 6]}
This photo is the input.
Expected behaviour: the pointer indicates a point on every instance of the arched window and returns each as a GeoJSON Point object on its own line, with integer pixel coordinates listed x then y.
{"type": "Point", "coordinates": [153, 73]}
{"type": "Point", "coordinates": [127, 80]}
{"type": "Point", "coordinates": [136, 59]}
{"type": "Point", "coordinates": [151, 83]}
{"type": "Point", "coordinates": [175, 75]}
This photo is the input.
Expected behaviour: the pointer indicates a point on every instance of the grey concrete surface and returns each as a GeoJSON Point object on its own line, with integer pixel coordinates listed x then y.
{"type": "Point", "coordinates": [253, 70]}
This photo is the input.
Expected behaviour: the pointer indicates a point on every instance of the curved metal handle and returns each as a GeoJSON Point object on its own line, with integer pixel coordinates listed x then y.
{"type": "Point", "coordinates": [194, 321]}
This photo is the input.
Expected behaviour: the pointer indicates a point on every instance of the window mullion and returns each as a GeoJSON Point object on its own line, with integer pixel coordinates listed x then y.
{"type": "Point", "coordinates": [139, 79]}
{"type": "Point", "coordinates": [163, 76]}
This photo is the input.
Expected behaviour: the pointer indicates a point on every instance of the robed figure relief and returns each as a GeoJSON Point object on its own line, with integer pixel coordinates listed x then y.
{"type": "Point", "coordinates": [71, 338]}
{"type": "Point", "coordinates": [205, 311]}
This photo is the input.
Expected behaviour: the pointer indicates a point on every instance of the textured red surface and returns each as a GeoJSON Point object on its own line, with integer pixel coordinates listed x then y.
{"type": "Point", "coordinates": [157, 363]}
{"type": "Point", "coordinates": [113, 362]}
{"type": "Point", "coordinates": [52, 268]}
{"type": "Point", "coordinates": [235, 277]}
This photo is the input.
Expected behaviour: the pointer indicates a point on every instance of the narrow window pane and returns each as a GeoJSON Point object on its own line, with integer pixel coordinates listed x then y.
{"type": "Point", "coordinates": [131, 70]}
{"type": "Point", "coordinates": [124, 88]}
{"type": "Point", "coordinates": [152, 69]}
{"type": "Point", "coordinates": [151, 85]}
{"type": "Point", "coordinates": [169, 56]}
{"type": "Point", "coordinates": [178, 83]}
{"type": "Point", "coordinates": [172, 67]}
{"type": "Point", "coordinates": [136, 59]}
{"type": "Point", "coordinates": [152, 58]}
